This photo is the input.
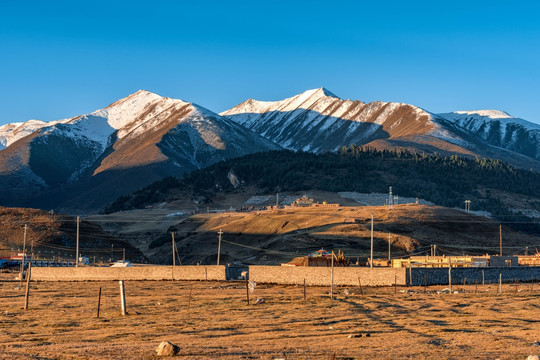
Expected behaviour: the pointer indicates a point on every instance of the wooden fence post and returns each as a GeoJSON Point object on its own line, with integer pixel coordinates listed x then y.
{"type": "Point", "coordinates": [450, 278]}
{"type": "Point", "coordinates": [190, 289]}
{"type": "Point", "coordinates": [247, 291]}
{"type": "Point", "coordinates": [27, 293]}
{"type": "Point", "coordinates": [332, 279]}
{"type": "Point", "coordinates": [98, 301]}
{"type": "Point", "coordinates": [122, 297]}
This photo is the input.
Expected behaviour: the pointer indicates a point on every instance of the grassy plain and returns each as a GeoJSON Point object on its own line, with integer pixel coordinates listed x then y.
{"type": "Point", "coordinates": [214, 322]}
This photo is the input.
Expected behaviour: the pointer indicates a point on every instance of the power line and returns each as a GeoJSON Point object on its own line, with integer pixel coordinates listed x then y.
{"type": "Point", "coordinates": [276, 252]}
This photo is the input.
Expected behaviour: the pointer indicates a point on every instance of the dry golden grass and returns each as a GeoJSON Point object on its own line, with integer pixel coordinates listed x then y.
{"type": "Point", "coordinates": [217, 323]}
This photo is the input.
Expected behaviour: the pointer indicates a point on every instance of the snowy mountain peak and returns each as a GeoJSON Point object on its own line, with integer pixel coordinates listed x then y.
{"type": "Point", "coordinates": [320, 92]}
{"type": "Point", "coordinates": [492, 114]}
{"type": "Point", "coordinates": [305, 100]}
{"type": "Point", "coordinates": [135, 107]}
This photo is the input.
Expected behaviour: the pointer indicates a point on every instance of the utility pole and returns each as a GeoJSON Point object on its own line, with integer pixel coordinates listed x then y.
{"type": "Point", "coordinates": [24, 255]}
{"type": "Point", "coordinates": [219, 245]}
{"type": "Point", "coordinates": [173, 252]}
{"type": "Point", "coordinates": [77, 246]}
{"type": "Point", "coordinates": [24, 243]}
{"type": "Point", "coordinates": [112, 252]}
{"type": "Point", "coordinates": [500, 237]}
{"type": "Point", "coordinates": [371, 256]}
{"type": "Point", "coordinates": [123, 255]}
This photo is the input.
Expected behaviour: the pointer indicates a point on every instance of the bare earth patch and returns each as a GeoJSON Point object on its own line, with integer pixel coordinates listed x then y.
{"type": "Point", "coordinates": [216, 323]}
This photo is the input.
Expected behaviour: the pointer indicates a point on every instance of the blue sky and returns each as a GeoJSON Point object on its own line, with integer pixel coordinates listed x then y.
{"type": "Point", "coordinates": [64, 58]}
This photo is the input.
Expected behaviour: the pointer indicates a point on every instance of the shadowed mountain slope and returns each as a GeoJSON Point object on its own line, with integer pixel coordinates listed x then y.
{"type": "Point", "coordinates": [112, 151]}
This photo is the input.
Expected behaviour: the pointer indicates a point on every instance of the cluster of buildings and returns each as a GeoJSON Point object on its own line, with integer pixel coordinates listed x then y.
{"type": "Point", "coordinates": [304, 202]}
{"type": "Point", "coordinates": [463, 261]}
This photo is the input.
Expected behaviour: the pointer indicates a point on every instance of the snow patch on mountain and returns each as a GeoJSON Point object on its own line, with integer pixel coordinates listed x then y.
{"type": "Point", "coordinates": [9, 133]}
{"type": "Point", "coordinates": [317, 120]}
{"type": "Point", "coordinates": [500, 129]}
{"type": "Point", "coordinates": [320, 97]}
{"type": "Point", "coordinates": [493, 114]}
{"type": "Point", "coordinates": [473, 120]}
{"type": "Point", "coordinates": [209, 131]}
{"type": "Point", "coordinates": [126, 110]}
{"type": "Point", "coordinates": [90, 127]}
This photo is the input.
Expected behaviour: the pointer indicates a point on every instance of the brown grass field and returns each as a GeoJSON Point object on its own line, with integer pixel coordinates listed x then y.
{"type": "Point", "coordinates": [216, 323]}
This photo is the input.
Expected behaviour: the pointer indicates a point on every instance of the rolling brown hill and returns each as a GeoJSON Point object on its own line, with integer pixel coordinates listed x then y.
{"type": "Point", "coordinates": [272, 237]}
{"type": "Point", "coordinates": [51, 236]}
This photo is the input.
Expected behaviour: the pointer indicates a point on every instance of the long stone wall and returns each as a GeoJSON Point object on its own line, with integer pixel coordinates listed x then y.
{"type": "Point", "coordinates": [321, 276]}
{"type": "Point", "coordinates": [439, 276]}
{"type": "Point", "coordinates": [295, 275]}
{"type": "Point", "coordinates": [129, 273]}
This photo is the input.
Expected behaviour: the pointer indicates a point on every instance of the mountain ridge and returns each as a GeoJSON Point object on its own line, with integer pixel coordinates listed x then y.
{"type": "Point", "coordinates": [500, 129]}
{"type": "Point", "coordinates": [143, 134]}
{"type": "Point", "coordinates": [144, 137]}
{"type": "Point", "coordinates": [315, 121]}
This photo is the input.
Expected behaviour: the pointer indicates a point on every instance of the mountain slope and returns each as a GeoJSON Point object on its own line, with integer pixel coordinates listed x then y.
{"type": "Point", "coordinates": [491, 185]}
{"type": "Point", "coordinates": [96, 157]}
{"type": "Point", "coordinates": [317, 120]}
{"type": "Point", "coordinates": [500, 129]}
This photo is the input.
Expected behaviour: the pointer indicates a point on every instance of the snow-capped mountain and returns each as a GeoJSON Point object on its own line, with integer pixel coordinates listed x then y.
{"type": "Point", "coordinates": [500, 129]}
{"type": "Point", "coordinates": [115, 150]}
{"type": "Point", "coordinates": [317, 120]}
{"type": "Point", "coordinates": [86, 161]}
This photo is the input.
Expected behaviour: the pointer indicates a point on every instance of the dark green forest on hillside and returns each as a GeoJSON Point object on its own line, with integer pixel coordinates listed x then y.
{"type": "Point", "coordinates": [446, 181]}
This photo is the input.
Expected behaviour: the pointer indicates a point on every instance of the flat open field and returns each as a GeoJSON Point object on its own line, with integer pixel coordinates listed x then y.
{"type": "Point", "coordinates": [215, 322]}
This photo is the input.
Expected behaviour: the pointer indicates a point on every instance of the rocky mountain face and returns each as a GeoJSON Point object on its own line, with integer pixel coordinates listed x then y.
{"type": "Point", "coordinates": [317, 120]}
{"type": "Point", "coordinates": [89, 160]}
{"type": "Point", "coordinates": [82, 163]}
{"type": "Point", "coordinates": [500, 129]}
